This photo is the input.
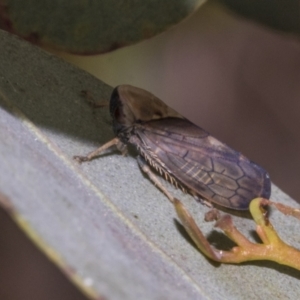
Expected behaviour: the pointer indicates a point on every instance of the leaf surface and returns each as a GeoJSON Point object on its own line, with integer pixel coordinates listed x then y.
{"type": "Point", "coordinates": [103, 223]}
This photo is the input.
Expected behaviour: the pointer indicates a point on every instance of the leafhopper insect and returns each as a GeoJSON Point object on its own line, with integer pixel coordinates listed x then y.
{"type": "Point", "coordinates": [185, 154]}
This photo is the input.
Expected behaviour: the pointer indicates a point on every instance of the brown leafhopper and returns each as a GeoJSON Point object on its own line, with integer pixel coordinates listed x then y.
{"type": "Point", "coordinates": [185, 154]}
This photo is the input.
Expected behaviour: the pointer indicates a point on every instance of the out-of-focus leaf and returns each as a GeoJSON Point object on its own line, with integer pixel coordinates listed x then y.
{"type": "Point", "coordinates": [89, 27]}
{"type": "Point", "coordinates": [110, 230]}
{"type": "Point", "coordinates": [279, 14]}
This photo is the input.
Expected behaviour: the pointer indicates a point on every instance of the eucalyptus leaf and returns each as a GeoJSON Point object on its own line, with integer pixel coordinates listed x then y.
{"type": "Point", "coordinates": [279, 14]}
{"type": "Point", "coordinates": [90, 27]}
{"type": "Point", "coordinates": [103, 223]}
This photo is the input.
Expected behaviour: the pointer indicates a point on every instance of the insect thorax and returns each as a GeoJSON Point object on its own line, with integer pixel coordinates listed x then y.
{"type": "Point", "coordinates": [124, 133]}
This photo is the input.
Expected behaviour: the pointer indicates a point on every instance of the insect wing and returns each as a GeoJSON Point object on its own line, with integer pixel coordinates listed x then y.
{"type": "Point", "coordinates": [202, 163]}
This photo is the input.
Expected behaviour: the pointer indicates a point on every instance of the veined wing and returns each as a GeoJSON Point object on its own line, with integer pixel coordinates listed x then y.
{"type": "Point", "coordinates": [203, 164]}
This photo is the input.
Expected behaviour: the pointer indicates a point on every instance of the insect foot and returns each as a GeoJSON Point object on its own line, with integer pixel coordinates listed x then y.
{"type": "Point", "coordinates": [80, 159]}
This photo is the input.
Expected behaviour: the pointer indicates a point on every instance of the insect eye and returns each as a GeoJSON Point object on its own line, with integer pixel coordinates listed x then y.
{"type": "Point", "coordinates": [114, 102]}
{"type": "Point", "coordinates": [117, 114]}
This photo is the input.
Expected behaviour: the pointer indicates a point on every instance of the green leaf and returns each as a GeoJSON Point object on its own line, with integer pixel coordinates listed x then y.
{"type": "Point", "coordinates": [103, 223]}
{"type": "Point", "coordinates": [90, 27]}
{"type": "Point", "coordinates": [279, 14]}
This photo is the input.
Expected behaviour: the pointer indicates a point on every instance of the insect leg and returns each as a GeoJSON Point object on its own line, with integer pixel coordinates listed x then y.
{"type": "Point", "coordinates": [98, 151]}
{"type": "Point", "coordinates": [185, 217]}
{"type": "Point", "coordinates": [146, 169]}
{"type": "Point", "coordinates": [193, 230]}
